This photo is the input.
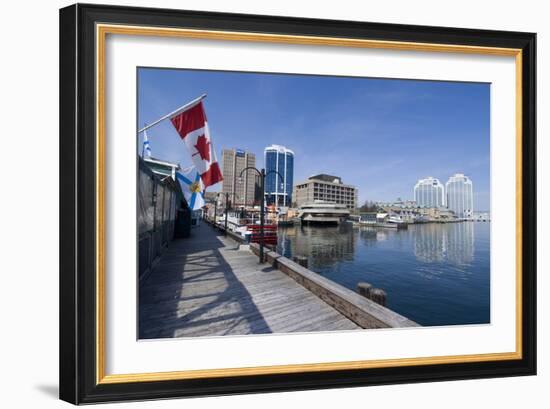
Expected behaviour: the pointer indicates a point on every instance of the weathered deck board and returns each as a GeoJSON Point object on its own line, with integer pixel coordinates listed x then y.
{"type": "Point", "coordinates": [206, 286]}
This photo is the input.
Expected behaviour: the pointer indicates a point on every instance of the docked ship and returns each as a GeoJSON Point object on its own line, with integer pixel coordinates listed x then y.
{"type": "Point", "coordinates": [377, 219]}
{"type": "Point", "coordinates": [322, 212]}
{"type": "Point", "coordinates": [247, 225]}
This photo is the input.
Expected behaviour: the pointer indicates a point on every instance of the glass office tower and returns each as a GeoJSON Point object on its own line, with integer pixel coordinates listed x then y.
{"type": "Point", "coordinates": [278, 189]}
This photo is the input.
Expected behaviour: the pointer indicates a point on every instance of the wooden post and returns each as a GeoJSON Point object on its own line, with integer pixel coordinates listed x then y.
{"type": "Point", "coordinates": [364, 289]}
{"type": "Point", "coordinates": [301, 260]}
{"type": "Point", "coordinates": [377, 295]}
{"type": "Point", "coordinates": [226, 211]}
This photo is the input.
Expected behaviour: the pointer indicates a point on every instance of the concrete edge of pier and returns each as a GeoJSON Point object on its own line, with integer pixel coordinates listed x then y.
{"type": "Point", "coordinates": [361, 310]}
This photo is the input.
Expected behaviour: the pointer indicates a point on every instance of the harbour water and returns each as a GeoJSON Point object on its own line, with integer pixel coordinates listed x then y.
{"type": "Point", "coordinates": [434, 274]}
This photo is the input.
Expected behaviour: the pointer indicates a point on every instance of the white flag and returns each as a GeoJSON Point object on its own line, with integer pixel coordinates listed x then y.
{"type": "Point", "coordinates": [146, 147]}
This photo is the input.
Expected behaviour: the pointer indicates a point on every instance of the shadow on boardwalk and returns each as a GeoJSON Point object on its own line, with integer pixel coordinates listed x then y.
{"type": "Point", "coordinates": [206, 286]}
{"type": "Point", "coordinates": [202, 286]}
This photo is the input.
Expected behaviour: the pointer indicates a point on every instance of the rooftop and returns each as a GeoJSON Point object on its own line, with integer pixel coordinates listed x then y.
{"type": "Point", "coordinates": [160, 162]}
{"type": "Point", "coordinates": [326, 178]}
{"type": "Point", "coordinates": [278, 148]}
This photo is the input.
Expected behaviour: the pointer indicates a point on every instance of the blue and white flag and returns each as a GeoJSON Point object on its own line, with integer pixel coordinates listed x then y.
{"type": "Point", "coordinates": [192, 186]}
{"type": "Point", "coordinates": [146, 147]}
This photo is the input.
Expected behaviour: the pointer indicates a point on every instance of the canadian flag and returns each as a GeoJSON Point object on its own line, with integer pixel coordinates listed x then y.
{"type": "Point", "coordinates": [192, 127]}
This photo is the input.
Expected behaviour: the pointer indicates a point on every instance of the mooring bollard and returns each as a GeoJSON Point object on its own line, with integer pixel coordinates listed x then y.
{"type": "Point", "coordinates": [301, 260]}
{"type": "Point", "coordinates": [377, 295]}
{"type": "Point", "coordinates": [364, 289]}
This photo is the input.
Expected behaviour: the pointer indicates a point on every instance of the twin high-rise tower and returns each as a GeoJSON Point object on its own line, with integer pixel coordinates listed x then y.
{"type": "Point", "coordinates": [460, 195]}
{"type": "Point", "coordinates": [429, 192]}
{"type": "Point", "coordinates": [457, 195]}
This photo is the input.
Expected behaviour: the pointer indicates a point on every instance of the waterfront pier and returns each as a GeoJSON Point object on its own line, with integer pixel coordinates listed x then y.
{"type": "Point", "coordinates": [211, 285]}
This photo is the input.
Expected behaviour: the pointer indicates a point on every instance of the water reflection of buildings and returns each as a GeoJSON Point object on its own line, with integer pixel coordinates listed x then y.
{"type": "Point", "coordinates": [460, 248]}
{"type": "Point", "coordinates": [430, 243]}
{"type": "Point", "coordinates": [372, 235]}
{"type": "Point", "coordinates": [452, 243]}
{"type": "Point", "coordinates": [323, 246]}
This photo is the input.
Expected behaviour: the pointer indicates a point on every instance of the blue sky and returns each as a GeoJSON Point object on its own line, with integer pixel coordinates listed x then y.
{"type": "Point", "coordinates": [380, 135]}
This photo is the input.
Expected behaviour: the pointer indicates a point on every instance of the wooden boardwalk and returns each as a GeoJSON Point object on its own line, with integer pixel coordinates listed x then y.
{"type": "Point", "coordinates": [206, 286]}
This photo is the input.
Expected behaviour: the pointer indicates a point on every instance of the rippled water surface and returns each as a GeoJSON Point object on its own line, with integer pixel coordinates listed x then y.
{"type": "Point", "coordinates": [434, 274]}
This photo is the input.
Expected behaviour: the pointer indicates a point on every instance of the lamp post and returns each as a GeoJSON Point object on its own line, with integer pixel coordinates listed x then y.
{"type": "Point", "coordinates": [226, 211]}
{"type": "Point", "coordinates": [216, 210]}
{"type": "Point", "coordinates": [262, 175]}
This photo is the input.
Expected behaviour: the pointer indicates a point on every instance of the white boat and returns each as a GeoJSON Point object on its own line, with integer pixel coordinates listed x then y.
{"type": "Point", "coordinates": [395, 219]}
{"type": "Point", "coordinates": [237, 222]}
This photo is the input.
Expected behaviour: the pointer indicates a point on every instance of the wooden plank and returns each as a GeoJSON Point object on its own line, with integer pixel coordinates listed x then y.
{"type": "Point", "coordinates": [364, 312]}
{"type": "Point", "coordinates": [207, 286]}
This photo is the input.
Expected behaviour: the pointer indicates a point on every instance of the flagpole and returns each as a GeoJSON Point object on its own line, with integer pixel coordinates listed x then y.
{"type": "Point", "coordinates": [143, 147]}
{"type": "Point", "coordinates": [174, 113]}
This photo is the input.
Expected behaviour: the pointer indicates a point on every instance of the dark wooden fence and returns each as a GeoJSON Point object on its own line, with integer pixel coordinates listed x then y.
{"type": "Point", "coordinates": [157, 201]}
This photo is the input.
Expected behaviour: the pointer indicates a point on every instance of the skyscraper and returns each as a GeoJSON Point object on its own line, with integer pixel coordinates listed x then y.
{"type": "Point", "coordinates": [278, 159]}
{"type": "Point", "coordinates": [241, 189]}
{"type": "Point", "coordinates": [429, 192]}
{"type": "Point", "coordinates": [460, 196]}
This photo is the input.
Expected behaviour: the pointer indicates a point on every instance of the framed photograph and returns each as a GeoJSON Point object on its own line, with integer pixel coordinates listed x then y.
{"type": "Point", "coordinates": [258, 203]}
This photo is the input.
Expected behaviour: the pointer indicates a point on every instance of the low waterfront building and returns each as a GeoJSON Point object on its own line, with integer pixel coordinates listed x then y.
{"type": "Point", "coordinates": [373, 217]}
{"type": "Point", "coordinates": [407, 211]}
{"type": "Point", "coordinates": [368, 217]}
{"type": "Point", "coordinates": [325, 188]}
{"type": "Point", "coordinates": [407, 215]}
{"type": "Point", "coordinates": [441, 214]}
{"type": "Point", "coordinates": [429, 192]}
{"type": "Point", "coordinates": [410, 212]}
{"type": "Point", "coordinates": [321, 212]}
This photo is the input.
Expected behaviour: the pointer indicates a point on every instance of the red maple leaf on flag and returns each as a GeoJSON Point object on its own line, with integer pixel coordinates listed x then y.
{"type": "Point", "coordinates": [203, 148]}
